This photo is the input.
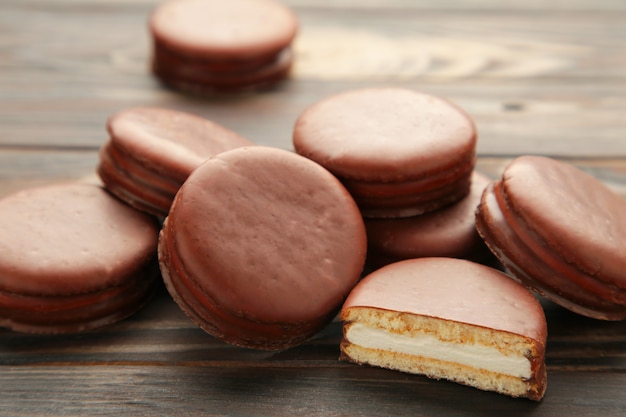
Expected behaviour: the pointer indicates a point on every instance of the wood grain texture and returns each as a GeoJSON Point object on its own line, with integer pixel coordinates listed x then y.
{"type": "Point", "coordinates": [277, 391]}
{"type": "Point", "coordinates": [538, 77]}
{"type": "Point", "coordinates": [537, 80]}
{"type": "Point", "coordinates": [159, 363]}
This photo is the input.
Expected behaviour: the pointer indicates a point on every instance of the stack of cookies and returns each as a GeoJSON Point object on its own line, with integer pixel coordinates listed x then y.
{"type": "Point", "coordinates": [408, 160]}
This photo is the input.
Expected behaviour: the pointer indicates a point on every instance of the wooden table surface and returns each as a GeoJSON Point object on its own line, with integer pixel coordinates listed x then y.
{"type": "Point", "coordinates": [538, 77]}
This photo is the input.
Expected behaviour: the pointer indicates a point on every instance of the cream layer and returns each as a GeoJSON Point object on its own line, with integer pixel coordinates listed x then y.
{"type": "Point", "coordinates": [476, 356]}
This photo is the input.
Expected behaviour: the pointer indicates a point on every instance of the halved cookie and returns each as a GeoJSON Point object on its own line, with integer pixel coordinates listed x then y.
{"type": "Point", "coordinates": [449, 319]}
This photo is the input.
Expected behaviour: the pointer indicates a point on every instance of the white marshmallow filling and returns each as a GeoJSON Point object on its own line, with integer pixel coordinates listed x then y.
{"type": "Point", "coordinates": [476, 356]}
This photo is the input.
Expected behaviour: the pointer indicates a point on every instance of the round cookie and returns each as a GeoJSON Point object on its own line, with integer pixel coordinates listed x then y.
{"type": "Point", "coordinates": [447, 232]}
{"type": "Point", "coordinates": [261, 247]}
{"type": "Point", "coordinates": [72, 258]}
{"type": "Point", "coordinates": [452, 319]}
{"type": "Point", "coordinates": [399, 152]}
{"type": "Point", "coordinates": [561, 232]}
{"type": "Point", "coordinates": [212, 46]}
{"type": "Point", "coordinates": [152, 151]}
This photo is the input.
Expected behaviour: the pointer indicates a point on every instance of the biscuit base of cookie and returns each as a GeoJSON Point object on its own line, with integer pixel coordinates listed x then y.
{"type": "Point", "coordinates": [440, 349]}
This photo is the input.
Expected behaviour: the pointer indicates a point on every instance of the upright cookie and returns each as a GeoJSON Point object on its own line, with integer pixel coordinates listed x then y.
{"type": "Point", "coordinates": [152, 151]}
{"type": "Point", "coordinates": [399, 152]}
{"type": "Point", "coordinates": [561, 232]}
{"type": "Point", "coordinates": [449, 319]}
{"type": "Point", "coordinates": [72, 258]}
{"type": "Point", "coordinates": [261, 247]}
{"type": "Point", "coordinates": [213, 46]}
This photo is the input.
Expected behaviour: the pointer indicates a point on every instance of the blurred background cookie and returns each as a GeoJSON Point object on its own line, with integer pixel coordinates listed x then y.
{"type": "Point", "coordinates": [213, 46]}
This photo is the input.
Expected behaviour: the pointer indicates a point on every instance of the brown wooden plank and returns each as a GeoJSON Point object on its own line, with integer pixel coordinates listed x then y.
{"type": "Point", "coordinates": [123, 344]}
{"type": "Point", "coordinates": [466, 5]}
{"type": "Point", "coordinates": [176, 376]}
{"type": "Point", "coordinates": [279, 391]}
{"type": "Point", "coordinates": [574, 119]}
{"type": "Point", "coordinates": [22, 168]}
{"type": "Point", "coordinates": [162, 334]}
{"type": "Point", "coordinates": [536, 82]}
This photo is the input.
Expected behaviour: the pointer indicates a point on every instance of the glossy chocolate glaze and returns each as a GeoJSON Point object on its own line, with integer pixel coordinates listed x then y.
{"type": "Point", "coordinates": [137, 169]}
{"type": "Point", "coordinates": [79, 312]}
{"type": "Point", "coordinates": [399, 152]}
{"type": "Point", "coordinates": [448, 232]}
{"type": "Point", "coordinates": [207, 312]}
{"type": "Point", "coordinates": [456, 290]}
{"type": "Point", "coordinates": [151, 151]}
{"type": "Point", "coordinates": [261, 247]}
{"type": "Point", "coordinates": [460, 291]}
{"type": "Point", "coordinates": [435, 195]}
{"type": "Point", "coordinates": [137, 192]}
{"type": "Point", "coordinates": [73, 257]}
{"type": "Point", "coordinates": [385, 135]}
{"type": "Point", "coordinates": [169, 142]}
{"type": "Point", "coordinates": [573, 214]}
{"type": "Point", "coordinates": [539, 269]}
